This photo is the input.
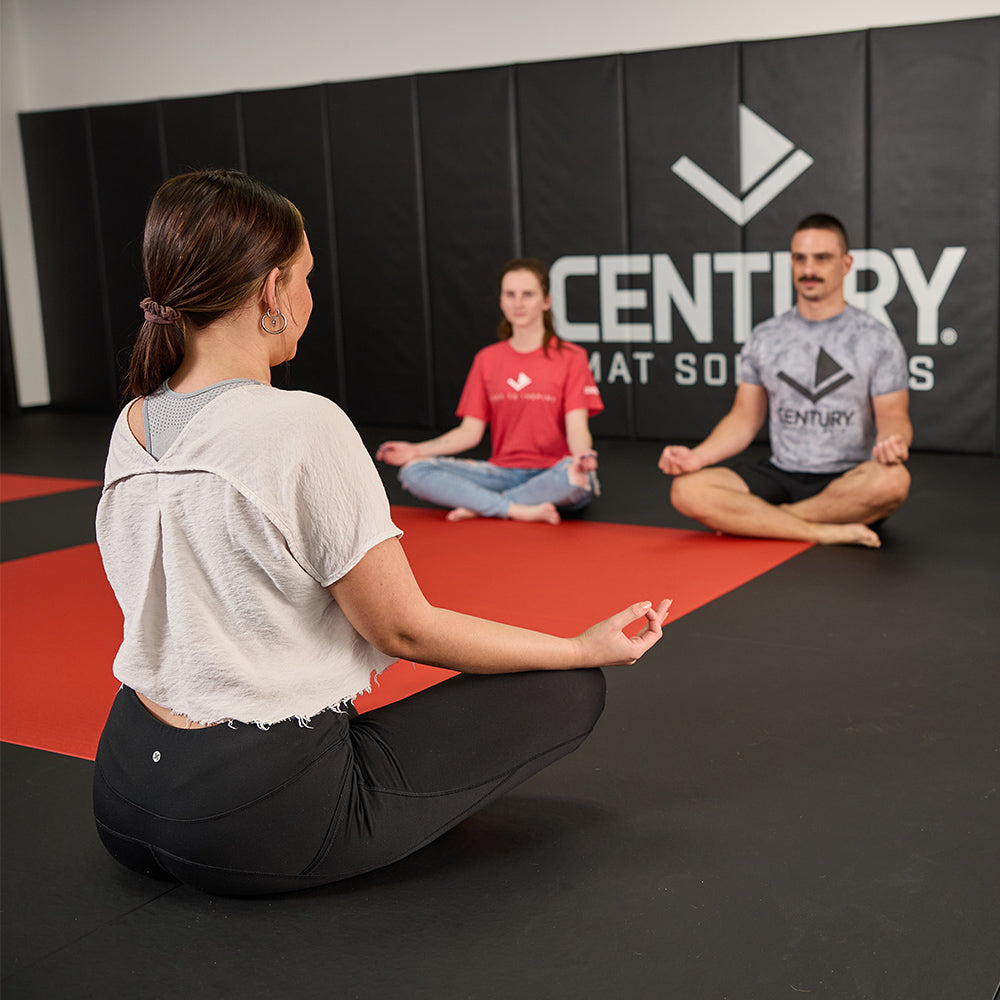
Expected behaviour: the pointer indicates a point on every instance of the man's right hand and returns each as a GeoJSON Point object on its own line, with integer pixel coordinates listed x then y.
{"type": "Point", "coordinates": [676, 460]}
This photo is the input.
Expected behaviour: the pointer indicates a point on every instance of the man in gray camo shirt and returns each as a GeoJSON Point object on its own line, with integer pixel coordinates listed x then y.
{"type": "Point", "coordinates": [833, 382]}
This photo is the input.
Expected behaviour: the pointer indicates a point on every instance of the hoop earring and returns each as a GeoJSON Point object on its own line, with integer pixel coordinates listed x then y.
{"type": "Point", "coordinates": [269, 322]}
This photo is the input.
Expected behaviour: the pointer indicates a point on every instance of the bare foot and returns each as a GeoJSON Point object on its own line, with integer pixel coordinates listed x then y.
{"type": "Point", "coordinates": [543, 512]}
{"type": "Point", "coordinates": [460, 514]}
{"type": "Point", "coordinates": [847, 534]}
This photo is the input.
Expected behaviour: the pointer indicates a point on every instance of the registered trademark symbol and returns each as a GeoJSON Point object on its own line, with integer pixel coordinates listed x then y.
{"type": "Point", "coordinates": [949, 336]}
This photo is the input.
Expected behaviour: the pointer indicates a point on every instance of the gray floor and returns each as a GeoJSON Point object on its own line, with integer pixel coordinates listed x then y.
{"type": "Point", "coordinates": [797, 793]}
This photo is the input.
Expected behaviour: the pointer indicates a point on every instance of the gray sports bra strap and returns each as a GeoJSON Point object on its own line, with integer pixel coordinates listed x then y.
{"type": "Point", "coordinates": [166, 413]}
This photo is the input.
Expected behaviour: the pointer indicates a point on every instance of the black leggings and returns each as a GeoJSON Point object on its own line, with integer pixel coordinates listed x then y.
{"type": "Point", "coordinates": [240, 810]}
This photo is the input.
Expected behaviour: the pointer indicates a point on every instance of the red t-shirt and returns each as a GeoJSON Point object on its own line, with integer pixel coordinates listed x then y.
{"type": "Point", "coordinates": [525, 399]}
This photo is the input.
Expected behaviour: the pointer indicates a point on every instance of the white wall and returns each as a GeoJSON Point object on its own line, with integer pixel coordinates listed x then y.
{"type": "Point", "coordinates": [65, 53]}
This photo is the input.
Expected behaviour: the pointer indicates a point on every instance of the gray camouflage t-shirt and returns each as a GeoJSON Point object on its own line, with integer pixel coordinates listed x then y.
{"type": "Point", "coordinates": [820, 377]}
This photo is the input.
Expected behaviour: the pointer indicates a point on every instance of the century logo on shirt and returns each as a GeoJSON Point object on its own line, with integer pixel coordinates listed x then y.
{"type": "Point", "coordinates": [521, 382]}
{"type": "Point", "coordinates": [827, 371]}
{"type": "Point", "coordinates": [829, 377]}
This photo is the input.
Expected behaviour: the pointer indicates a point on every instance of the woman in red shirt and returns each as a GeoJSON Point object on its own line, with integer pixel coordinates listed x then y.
{"type": "Point", "coordinates": [537, 393]}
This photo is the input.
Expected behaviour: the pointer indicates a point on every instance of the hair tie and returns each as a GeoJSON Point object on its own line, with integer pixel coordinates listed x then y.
{"type": "Point", "coordinates": [155, 313]}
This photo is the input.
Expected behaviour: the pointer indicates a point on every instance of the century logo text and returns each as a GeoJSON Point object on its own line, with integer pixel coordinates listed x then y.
{"type": "Point", "coordinates": [640, 295]}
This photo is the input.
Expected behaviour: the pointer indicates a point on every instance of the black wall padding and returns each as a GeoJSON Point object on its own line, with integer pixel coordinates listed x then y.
{"type": "Point", "coordinates": [663, 185]}
{"type": "Point", "coordinates": [814, 90]}
{"type": "Point", "coordinates": [285, 142]}
{"type": "Point", "coordinates": [571, 138]}
{"type": "Point", "coordinates": [465, 148]}
{"type": "Point", "coordinates": [128, 167]}
{"type": "Point", "coordinates": [8, 381]}
{"type": "Point", "coordinates": [935, 183]}
{"type": "Point", "coordinates": [377, 202]}
{"type": "Point", "coordinates": [679, 103]}
{"type": "Point", "coordinates": [202, 132]}
{"type": "Point", "coordinates": [71, 279]}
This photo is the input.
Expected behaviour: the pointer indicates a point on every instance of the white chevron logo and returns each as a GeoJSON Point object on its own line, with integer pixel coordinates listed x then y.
{"type": "Point", "coordinates": [521, 382]}
{"type": "Point", "coordinates": [763, 151]}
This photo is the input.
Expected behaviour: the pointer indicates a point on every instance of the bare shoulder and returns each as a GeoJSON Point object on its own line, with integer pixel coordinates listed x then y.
{"type": "Point", "coordinates": [136, 424]}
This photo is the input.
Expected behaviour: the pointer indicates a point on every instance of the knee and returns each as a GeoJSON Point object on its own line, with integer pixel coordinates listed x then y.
{"type": "Point", "coordinates": [889, 488]}
{"type": "Point", "coordinates": [685, 494]}
{"type": "Point", "coordinates": [414, 471]}
{"type": "Point", "coordinates": [585, 699]}
{"type": "Point", "coordinates": [593, 690]}
{"type": "Point", "coordinates": [568, 701]}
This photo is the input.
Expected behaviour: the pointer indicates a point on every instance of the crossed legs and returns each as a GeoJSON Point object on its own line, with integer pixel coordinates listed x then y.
{"type": "Point", "coordinates": [472, 488]}
{"type": "Point", "coordinates": [838, 515]}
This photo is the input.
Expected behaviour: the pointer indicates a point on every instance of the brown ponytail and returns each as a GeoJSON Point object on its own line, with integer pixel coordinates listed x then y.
{"type": "Point", "coordinates": [211, 239]}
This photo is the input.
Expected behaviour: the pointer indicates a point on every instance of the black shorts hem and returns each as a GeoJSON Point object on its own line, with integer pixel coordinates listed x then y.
{"type": "Point", "coordinates": [777, 486]}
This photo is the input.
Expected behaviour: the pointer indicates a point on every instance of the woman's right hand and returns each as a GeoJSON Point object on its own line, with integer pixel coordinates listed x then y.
{"type": "Point", "coordinates": [396, 452]}
{"type": "Point", "coordinates": [606, 644]}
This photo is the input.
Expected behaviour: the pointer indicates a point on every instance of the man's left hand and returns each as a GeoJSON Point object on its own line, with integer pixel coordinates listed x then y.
{"type": "Point", "coordinates": [891, 450]}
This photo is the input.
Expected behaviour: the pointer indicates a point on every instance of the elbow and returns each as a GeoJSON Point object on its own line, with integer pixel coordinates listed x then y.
{"type": "Point", "coordinates": [402, 638]}
{"type": "Point", "coordinates": [399, 646]}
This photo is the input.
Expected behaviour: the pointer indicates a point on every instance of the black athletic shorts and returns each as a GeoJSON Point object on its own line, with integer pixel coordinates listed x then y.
{"type": "Point", "coordinates": [776, 486]}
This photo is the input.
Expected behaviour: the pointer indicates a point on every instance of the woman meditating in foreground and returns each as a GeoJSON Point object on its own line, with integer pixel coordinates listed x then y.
{"type": "Point", "coordinates": [249, 542]}
{"type": "Point", "coordinates": [536, 393]}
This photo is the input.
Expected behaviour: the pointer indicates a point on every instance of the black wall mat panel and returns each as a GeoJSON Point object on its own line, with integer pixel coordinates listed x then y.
{"type": "Point", "coordinates": [569, 131]}
{"type": "Point", "coordinates": [661, 188]}
{"type": "Point", "coordinates": [202, 132]}
{"type": "Point", "coordinates": [8, 385]}
{"type": "Point", "coordinates": [570, 135]}
{"type": "Point", "coordinates": [128, 168]}
{"type": "Point", "coordinates": [682, 107]}
{"type": "Point", "coordinates": [57, 159]}
{"type": "Point", "coordinates": [466, 151]}
{"type": "Point", "coordinates": [934, 181]}
{"type": "Point", "coordinates": [680, 102]}
{"type": "Point", "coordinates": [808, 141]}
{"type": "Point", "coordinates": [285, 142]}
{"type": "Point", "coordinates": [380, 251]}
{"type": "Point", "coordinates": [787, 84]}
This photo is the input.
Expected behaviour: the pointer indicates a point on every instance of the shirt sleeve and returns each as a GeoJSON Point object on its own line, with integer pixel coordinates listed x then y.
{"type": "Point", "coordinates": [335, 504]}
{"type": "Point", "coordinates": [581, 391]}
{"type": "Point", "coordinates": [891, 373]}
{"type": "Point", "coordinates": [475, 399]}
{"type": "Point", "coordinates": [749, 370]}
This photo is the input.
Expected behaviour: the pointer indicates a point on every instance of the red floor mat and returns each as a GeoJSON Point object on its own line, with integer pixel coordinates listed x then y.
{"type": "Point", "coordinates": [15, 487]}
{"type": "Point", "coordinates": [61, 625]}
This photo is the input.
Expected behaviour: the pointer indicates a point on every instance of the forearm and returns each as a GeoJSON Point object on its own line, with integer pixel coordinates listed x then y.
{"type": "Point", "coordinates": [443, 638]}
{"type": "Point", "coordinates": [382, 600]}
{"type": "Point", "coordinates": [897, 425]}
{"type": "Point", "coordinates": [461, 438]}
{"type": "Point", "coordinates": [579, 440]}
{"type": "Point", "coordinates": [730, 436]}
{"type": "Point", "coordinates": [737, 429]}
{"type": "Point", "coordinates": [578, 435]}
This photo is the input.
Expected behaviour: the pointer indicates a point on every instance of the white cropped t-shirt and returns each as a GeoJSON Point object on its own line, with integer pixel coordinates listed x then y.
{"type": "Point", "coordinates": [220, 553]}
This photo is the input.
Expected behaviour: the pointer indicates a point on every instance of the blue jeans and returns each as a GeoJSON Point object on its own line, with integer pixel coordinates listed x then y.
{"type": "Point", "coordinates": [490, 489]}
